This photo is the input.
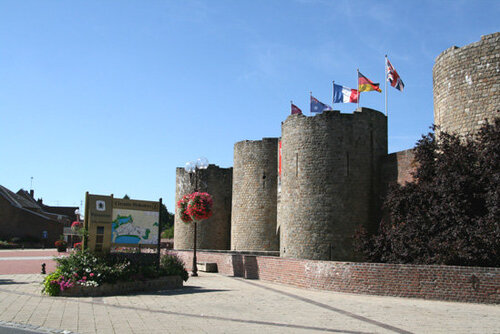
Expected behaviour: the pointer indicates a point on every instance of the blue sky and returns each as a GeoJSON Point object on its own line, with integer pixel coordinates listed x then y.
{"type": "Point", "coordinates": [111, 96]}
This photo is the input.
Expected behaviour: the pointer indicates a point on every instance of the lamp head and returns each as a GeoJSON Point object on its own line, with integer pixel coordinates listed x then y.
{"type": "Point", "coordinates": [202, 163]}
{"type": "Point", "coordinates": [190, 166]}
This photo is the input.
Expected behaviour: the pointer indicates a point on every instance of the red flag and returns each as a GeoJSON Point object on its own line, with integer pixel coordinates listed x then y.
{"type": "Point", "coordinates": [393, 76]}
{"type": "Point", "coordinates": [279, 159]}
{"type": "Point", "coordinates": [296, 110]}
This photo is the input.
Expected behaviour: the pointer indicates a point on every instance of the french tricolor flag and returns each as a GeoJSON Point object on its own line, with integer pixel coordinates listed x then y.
{"type": "Point", "coordinates": [343, 94]}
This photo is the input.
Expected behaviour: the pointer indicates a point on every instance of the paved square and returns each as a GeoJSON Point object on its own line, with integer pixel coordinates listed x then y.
{"type": "Point", "coordinates": [213, 303]}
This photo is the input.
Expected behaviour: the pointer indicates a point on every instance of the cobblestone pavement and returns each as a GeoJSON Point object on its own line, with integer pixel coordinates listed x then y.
{"type": "Point", "coordinates": [213, 303]}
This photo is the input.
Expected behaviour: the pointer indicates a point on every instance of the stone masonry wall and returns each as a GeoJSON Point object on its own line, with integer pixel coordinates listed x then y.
{"type": "Point", "coordinates": [397, 168]}
{"type": "Point", "coordinates": [253, 218]}
{"type": "Point", "coordinates": [213, 233]}
{"type": "Point", "coordinates": [467, 85]}
{"type": "Point", "coordinates": [329, 182]}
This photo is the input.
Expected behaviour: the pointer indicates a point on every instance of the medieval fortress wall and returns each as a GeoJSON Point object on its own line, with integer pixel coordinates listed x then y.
{"type": "Point", "coordinates": [253, 217]}
{"type": "Point", "coordinates": [213, 233]}
{"type": "Point", "coordinates": [334, 168]}
{"type": "Point", "coordinates": [329, 181]}
{"type": "Point", "coordinates": [467, 85]}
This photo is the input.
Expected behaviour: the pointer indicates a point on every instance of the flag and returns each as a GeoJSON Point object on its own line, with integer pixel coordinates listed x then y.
{"type": "Point", "coordinates": [343, 94]}
{"type": "Point", "coordinates": [279, 158]}
{"type": "Point", "coordinates": [317, 106]}
{"type": "Point", "coordinates": [366, 85]}
{"type": "Point", "coordinates": [296, 110]}
{"type": "Point", "coordinates": [393, 76]}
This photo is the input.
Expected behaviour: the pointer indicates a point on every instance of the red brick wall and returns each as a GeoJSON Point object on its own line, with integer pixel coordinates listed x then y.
{"type": "Point", "coordinates": [464, 284]}
{"type": "Point", "coordinates": [16, 222]}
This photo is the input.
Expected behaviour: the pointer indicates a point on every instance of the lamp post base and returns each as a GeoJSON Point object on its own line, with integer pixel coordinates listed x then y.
{"type": "Point", "coordinates": [195, 267]}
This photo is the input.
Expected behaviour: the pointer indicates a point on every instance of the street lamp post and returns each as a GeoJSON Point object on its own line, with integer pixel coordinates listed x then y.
{"type": "Point", "coordinates": [192, 167]}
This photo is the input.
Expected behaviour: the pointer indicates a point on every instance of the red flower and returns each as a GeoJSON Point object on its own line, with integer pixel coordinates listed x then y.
{"type": "Point", "coordinates": [60, 243]}
{"type": "Point", "coordinates": [196, 206]}
{"type": "Point", "coordinates": [200, 206]}
{"type": "Point", "coordinates": [182, 206]}
{"type": "Point", "coordinates": [76, 226]}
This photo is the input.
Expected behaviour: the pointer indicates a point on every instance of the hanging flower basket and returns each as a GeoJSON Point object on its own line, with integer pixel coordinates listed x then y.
{"type": "Point", "coordinates": [75, 226]}
{"type": "Point", "coordinates": [196, 206]}
{"type": "Point", "coordinates": [200, 206]}
{"type": "Point", "coordinates": [182, 206]}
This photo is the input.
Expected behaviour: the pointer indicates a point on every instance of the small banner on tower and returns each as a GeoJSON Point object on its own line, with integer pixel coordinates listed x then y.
{"type": "Point", "coordinates": [343, 94]}
{"type": "Point", "coordinates": [366, 85]}
{"type": "Point", "coordinates": [317, 106]}
{"type": "Point", "coordinates": [393, 76]}
{"type": "Point", "coordinates": [296, 110]}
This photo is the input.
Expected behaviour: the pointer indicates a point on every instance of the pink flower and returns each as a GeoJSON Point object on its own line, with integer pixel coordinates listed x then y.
{"type": "Point", "coordinates": [84, 277]}
{"type": "Point", "coordinates": [91, 275]}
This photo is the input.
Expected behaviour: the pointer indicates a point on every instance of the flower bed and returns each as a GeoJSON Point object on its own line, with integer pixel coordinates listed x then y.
{"type": "Point", "coordinates": [8, 245]}
{"type": "Point", "coordinates": [85, 273]}
{"type": "Point", "coordinates": [61, 245]}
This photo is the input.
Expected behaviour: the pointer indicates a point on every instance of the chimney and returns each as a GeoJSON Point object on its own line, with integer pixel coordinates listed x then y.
{"type": "Point", "coordinates": [32, 193]}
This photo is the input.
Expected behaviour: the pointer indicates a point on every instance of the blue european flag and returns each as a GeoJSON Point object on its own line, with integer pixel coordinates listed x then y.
{"type": "Point", "coordinates": [317, 106]}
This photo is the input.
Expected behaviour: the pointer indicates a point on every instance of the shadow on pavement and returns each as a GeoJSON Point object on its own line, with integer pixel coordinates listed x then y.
{"type": "Point", "coordinates": [9, 281]}
{"type": "Point", "coordinates": [183, 291]}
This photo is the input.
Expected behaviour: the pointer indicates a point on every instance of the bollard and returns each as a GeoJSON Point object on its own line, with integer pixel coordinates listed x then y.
{"type": "Point", "coordinates": [43, 268]}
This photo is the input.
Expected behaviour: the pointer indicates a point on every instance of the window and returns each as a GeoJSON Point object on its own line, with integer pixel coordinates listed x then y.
{"type": "Point", "coordinates": [99, 239]}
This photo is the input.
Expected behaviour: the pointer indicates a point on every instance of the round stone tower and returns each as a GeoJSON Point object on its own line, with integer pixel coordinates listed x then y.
{"type": "Point", "coordinates": [329, 181]}
{"type": "Point", "coordinates": [467, 85]}
{"type": "Point", "coordinates": [213, 233]}
{"type": "Point", "coordinates": [253, 218]}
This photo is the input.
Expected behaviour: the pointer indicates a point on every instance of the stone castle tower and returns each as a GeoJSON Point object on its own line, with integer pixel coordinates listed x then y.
{"type": "Point", "coordinates": [329, 181]}
{"type": "Point", "coordinates": [253, 217]}
{"type": "Point", "coordinates": [466, 84]}
{"type": "Point", "coordinates": [334, 168]}
{"type": "Point", "coordinates": [213, 233]}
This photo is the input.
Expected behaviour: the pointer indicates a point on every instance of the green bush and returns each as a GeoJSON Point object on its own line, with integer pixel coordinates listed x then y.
{"type": "Point", "coordinates": [15, 240]}
{"type": "Point", "coordinates": [88, 269]}
{"type": "Point", "coordinates": [7, 245]}
{"type": "Point", "coordinates": [84, 263]}
{"type": "Point", "coordinates": [51, 285]}
{"type": "Point", "coordinates": [449, 214]}
{"type": "Point", "coordinates": [172, 265]}
{"type": "Point", "coordinates": [168, 233]}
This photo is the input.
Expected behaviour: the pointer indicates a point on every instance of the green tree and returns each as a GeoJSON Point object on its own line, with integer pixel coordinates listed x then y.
{"type": "Point", "coordinates": [450, 213]}
{"type": "Point", "coordinates": [167, 221]}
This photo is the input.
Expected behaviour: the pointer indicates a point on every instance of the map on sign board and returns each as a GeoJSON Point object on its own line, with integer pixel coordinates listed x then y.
{"type": "Point", "coordinates": [134, 227]}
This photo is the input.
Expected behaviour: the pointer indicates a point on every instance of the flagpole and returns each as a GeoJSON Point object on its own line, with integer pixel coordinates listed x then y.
{"type": "Point", "coordinates": [385, 79]}
{"type": "Point", "coordinates": [310, 98]}
{"type": "Point", "coordinates": [333, 92]}
{"type": "Point", "coordinates": [359, 92]}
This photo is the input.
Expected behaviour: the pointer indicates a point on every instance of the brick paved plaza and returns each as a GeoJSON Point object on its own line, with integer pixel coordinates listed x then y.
{"type": "Point", "coordinates": [213, 303]}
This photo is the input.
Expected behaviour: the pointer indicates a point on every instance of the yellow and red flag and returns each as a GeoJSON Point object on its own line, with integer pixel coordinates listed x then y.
{"type": "Point", "coordinates": [366, 85]}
